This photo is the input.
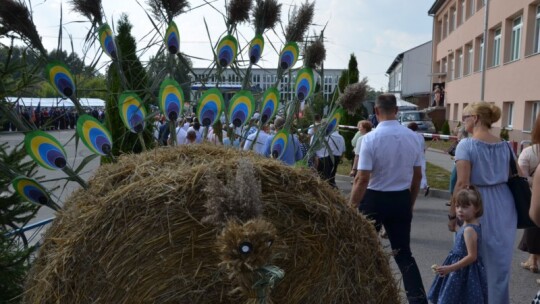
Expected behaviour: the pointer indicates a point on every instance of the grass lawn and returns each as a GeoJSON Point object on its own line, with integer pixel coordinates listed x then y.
{"type": "Point", "coordinates": [438, 178]}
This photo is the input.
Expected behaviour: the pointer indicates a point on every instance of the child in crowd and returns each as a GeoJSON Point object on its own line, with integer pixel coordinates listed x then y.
{"type": "Point", "coordinates": [462, 277]}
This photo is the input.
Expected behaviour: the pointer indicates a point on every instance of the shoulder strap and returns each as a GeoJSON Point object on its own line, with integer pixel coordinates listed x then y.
{"type": "Point", "coordinates": [513, 168]}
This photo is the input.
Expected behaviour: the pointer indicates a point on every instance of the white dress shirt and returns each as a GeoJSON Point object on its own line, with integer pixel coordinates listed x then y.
{"type": "Point", "coordinates": [390, 152]}
{"type": "Point", "coordinates": [259, 145]}
{"type": "Point", "coordinates": [336, 143]}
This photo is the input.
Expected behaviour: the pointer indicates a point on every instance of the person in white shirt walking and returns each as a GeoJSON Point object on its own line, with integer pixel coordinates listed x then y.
{"type": "Point", "coordinates": [386, 187]}
{"type": "Point", "coordinates": [336, 142]}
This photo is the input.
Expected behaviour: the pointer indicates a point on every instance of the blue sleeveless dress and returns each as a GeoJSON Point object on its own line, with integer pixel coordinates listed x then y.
{"type": "Point", "coordinates": [467, 285]}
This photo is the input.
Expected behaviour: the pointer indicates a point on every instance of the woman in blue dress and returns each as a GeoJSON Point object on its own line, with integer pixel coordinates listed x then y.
{"type": "Point", "coordinates": [483, 161]}
{"type": "Point", "coordinates": [462, 277]}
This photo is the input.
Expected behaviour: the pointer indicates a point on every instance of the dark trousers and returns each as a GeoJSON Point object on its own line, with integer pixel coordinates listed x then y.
{"type": "Point", "coordinates": [332, 179]}
{"type": "Point", "coordinates": [325, 168]}
{"type": "Point", "coordinates": [393, 211]}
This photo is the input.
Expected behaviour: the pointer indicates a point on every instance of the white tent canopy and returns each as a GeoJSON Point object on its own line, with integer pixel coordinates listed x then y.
{"type": "Point", "coordinates": [403, 104]}
{"type": "Point", "coordinates": [55, 102]}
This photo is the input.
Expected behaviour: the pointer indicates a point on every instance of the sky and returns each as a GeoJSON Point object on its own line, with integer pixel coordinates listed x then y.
{"type": "Point", "coordinates": [376, 31]}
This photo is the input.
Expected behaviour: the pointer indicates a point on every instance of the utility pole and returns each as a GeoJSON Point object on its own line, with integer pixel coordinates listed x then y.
{"type": "Point", "coordinates": [484, 50]}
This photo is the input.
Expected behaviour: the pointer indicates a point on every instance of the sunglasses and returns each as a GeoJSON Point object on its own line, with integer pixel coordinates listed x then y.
{"type": "Point", "coordinates": [465, 117]}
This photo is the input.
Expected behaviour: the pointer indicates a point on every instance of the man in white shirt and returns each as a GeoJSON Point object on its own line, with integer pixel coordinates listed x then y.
{"type": "Point", "coordinates": [337, 146]}
{"type": "Point", "coordinates": [386, 187]}
{"type": "Point", "coordinates": [260, 141]}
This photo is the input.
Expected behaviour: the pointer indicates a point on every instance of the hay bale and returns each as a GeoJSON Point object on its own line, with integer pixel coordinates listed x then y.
{"type": "Point", "coordinates": [136, 236]}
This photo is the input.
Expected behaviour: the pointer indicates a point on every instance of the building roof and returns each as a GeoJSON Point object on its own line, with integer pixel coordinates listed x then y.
{"type": "Point", "coordinates": [399, 57]}
{"type": "Point", "coordinates": [435, 7]}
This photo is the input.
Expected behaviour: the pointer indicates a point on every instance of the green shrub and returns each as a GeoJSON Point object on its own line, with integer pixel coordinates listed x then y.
{"type": "Point", "coordinates": [445, 128]}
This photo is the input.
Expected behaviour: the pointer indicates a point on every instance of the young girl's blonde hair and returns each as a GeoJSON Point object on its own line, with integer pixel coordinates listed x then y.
{"type": "Point", "coordinates": [469, 196]}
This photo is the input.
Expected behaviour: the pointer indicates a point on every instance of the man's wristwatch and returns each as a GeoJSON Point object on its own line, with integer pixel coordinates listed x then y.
{"type": "Point", "coordinates": [451, 217]}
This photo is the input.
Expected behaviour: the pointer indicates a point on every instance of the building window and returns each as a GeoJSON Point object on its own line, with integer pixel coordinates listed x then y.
{"type": "Point", "coordinates": [453, 19]}
{"type": "Point", "coordinates": [537, 31]}
{"type": "Point", "coordinates": [508, 113]}
{"type": "Point", "coordinates": [447, 25]}
{"type": "Point", "coordinates": [450, 68]}
{"type": "Point", "coordinates": [472, 7]}
{"type": "Point", "coordinates": [470, 59]}
{"type": "Point", "coordinates": [515, 44]}
{"type": "Point", "coordinates": [459, 61]}
{"type": "Point", "coordinates": [463, 11]}
{"type": "Point", "coordinates": [455, 113]}
{"type": "Point", "coordinates": [497, 48]}
{"type": "Point", "coordinates": [534, 113]}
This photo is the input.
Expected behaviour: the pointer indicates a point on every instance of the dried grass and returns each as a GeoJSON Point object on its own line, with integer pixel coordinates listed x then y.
{"type": "Point", "coordinates": [136, 236]}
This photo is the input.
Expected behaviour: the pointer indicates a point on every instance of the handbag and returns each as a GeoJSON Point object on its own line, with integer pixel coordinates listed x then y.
{"type": "Point", "coordinates": [519, 186]}
{"type": "Point", "coordinates": [452, 149]}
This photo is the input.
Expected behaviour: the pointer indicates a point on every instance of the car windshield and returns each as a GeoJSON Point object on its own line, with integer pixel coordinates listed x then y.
{"type": "Point", "coordinates": [414, 116]}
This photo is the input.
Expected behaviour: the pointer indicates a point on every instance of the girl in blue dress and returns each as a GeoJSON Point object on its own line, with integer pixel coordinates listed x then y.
{"type": "Point", "coordinates": [462, 277]}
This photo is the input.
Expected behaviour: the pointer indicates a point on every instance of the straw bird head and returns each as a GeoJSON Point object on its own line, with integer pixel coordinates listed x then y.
{"type": "Point", "coordinates": [248, 246]}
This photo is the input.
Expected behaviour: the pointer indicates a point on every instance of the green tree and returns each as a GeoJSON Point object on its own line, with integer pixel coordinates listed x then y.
{"type": "Point", "coordinates": [135, 77]}
{"type": "Point", "coordinates": [354, 74]}
{"type": "Point", "coordinates": [159, 66]}
{"type": "Point", "coordinates": [14, 213]}
{"type": "Point", "coordinates": [350, 76]}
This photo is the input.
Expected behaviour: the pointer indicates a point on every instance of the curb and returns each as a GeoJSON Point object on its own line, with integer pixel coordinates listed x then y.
{"type": "Point", "coordinates": [438, 193]}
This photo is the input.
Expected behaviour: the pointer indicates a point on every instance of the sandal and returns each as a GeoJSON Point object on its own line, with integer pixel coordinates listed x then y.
{"type": "Point", "coordinates": [531, 268]}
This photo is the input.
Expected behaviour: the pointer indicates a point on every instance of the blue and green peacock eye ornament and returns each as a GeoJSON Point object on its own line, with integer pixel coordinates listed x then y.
{"type": "Point", "coordinates": [333, 121]}
{"type": "Point", "coordinates": [45, 150]}
{"type": "Point", "coordinates": [289, 55]}
{"type": "Point", "coordinates": [172, 38]}
{"type": "Point", "coordinates": [94, 135]}
{"type": "Point", "coordinates": [226, 51]}
{"type": "Point", "coordinates": [210, 107]}
{"type": "Point", "coordinates": [60, 78]}
{"type": "Point", "coordinates": [279, 144]}
{"type": "Point", "coordinates": [256, 48]}
{"type": "Point", "coordinates": [106, 39]}
{"type": "Point", "coordinates": [171, 99]}
{"type": "Point", "coordinates": [132, 111]}
{"type": "Point", "coordinates": [269, 104]}
{"type": "Point", "coordinates": [31, 190]}
{"type": "Point", "coordinates": [305, 83]}
{"type": "Point", "coordinates": [241, 107]}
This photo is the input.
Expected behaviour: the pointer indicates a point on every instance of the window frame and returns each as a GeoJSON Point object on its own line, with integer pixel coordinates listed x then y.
{"type": "Point", "coordinates": [515, 39]}
{"type": "Point", "coordinates": [497, 37]}
{"type": "Point", "coordinates": [537, 31]}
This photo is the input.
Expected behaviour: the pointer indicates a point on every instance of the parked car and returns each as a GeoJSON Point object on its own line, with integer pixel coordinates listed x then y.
{"type": "Point", "coordinates": [425, 125]}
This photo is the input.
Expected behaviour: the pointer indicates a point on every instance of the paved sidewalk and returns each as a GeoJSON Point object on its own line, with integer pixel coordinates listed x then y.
{"type": "Point", "coordinates": [431, 241]}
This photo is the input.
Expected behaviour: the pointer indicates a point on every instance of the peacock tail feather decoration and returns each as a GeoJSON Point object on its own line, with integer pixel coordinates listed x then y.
{"type": "Point", "coordinates": [289, 55]}
{"type": "Point", "coordinates": [279, 144]}
{"type": "Point", "coordinates": [32, 191]}
{"type": "Point", "coordinates": [94, 135]}
{"type": "Point", "coordinates": [241, 107]}
{"type": "Point", "coordinates": [256, 48]}
{"type": "Point", "coordinates": [269, 105]}
{"type": "Point", "coordinates": [60, 78]}
{"type": "Point", "coordinates": [171, 99]}
{"type": "Point", "coordinates": [172, 38]}
{"type": "Point", "coordinates": [106, 38]}
{"type": "Point", "coordinates": [227, 50]}
{"type": "Point", "coordinates": [210, 107]}
{"type": "Point", "coordinates": [305, 83]}
{"type": "Point", "coordinates": [333, 121]}
{"type": "Point", "coordinates": [45, 150]}
{"type": "Point", "coordinates": [132, 111]}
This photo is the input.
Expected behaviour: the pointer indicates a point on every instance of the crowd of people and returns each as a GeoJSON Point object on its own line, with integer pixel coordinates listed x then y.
{"type": "Point", "coordinates": [52, 118]}
{"type": "Point", "coordinates": [326, 156]}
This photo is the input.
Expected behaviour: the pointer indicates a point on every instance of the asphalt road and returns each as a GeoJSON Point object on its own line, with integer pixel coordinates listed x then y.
{"type": "Point", "coordinates": [430, 239]}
